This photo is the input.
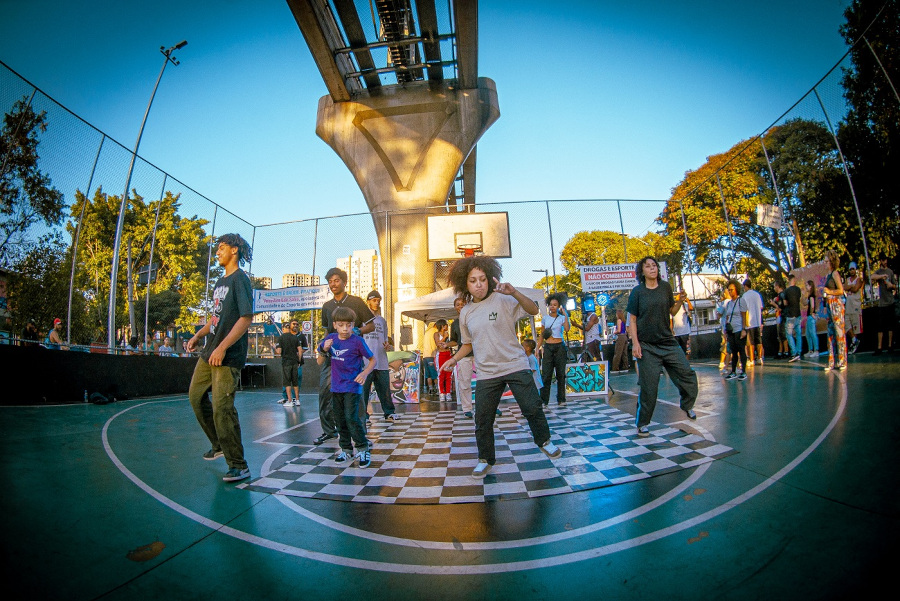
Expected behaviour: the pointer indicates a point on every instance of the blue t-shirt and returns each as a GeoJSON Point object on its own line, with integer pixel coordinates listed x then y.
{"type": "Point", "coordinates": [348, 358]}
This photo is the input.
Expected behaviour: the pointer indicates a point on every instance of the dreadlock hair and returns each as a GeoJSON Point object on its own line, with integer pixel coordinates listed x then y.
{"type": "Point", "coordinates": [245, 253]}
{"type": "Point", "coordinates": [460, 270]}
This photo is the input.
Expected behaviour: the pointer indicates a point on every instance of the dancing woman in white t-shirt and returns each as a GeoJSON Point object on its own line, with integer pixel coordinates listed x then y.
{"type": "Point", "coordinates": [488, 330]}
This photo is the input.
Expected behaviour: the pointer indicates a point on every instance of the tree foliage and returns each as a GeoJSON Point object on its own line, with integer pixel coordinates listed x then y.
{"type": "Point", "coordinates": [720, 199]}
{"type": "Point", "coordinates": [27, 196]}
{"type": "Point", "coordinates": [871, 129]}
{"type": "Point", "coordinates": [181, 253]}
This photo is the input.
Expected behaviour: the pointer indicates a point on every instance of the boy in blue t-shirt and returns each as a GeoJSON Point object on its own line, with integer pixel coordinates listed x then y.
{"type": "Point", "coordinates": [348, 352]}
{"type": "Point", "coordinates": [529, 345]}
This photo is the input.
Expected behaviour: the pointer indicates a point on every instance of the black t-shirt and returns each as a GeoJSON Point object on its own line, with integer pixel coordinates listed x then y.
{"type": "Point", "coordinates": [363, 314]}
{"type": "Point", "coordinates": [651, 306]}
{"type": "Point", "coordinates": [289, 343]}
{"type": "Point", "coordinates": [792, 301]}
{"type": "Point", "coordinates": [232, 299]}
{"type": "Point", "coordinates": [455, 336]}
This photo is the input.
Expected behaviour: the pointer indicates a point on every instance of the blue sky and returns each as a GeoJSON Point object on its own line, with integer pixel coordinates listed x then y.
{"type": "Point", "coordinates": [598, 99]}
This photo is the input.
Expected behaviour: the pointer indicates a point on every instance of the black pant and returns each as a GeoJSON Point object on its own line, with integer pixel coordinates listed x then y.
{"type": "Point", "coordinates": [326, 417]}
{"type": "Point", "coordinates": [655, 357]}
{"type": "Point", "coordinates": [554, 360]}
{"type": "Point", "coordinates": [738, 347]}
{"type": "Point", "coordinates": [382, 380]}
{"type": "Point", "coordinates": [487, 397]}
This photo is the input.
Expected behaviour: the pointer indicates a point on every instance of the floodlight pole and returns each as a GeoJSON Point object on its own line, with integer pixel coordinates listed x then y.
{"type": "Point", "coordinates": [120, 224]}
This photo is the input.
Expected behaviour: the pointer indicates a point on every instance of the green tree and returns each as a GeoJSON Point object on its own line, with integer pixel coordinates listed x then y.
{"type": "Point", "coordinates": [26, 194]}
{"type": "Point", "coordinates": [181, 253]}
{"type": "Point", "coordinates": [813, 190]}
{"type": "Point", "coordinates": [870, 133]}
{"type": "Point", "coordinates": [38, 288]}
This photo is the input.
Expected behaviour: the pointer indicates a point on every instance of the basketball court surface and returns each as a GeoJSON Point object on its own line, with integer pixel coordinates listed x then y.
{"type": "Point", "coordinates": [785, 487]}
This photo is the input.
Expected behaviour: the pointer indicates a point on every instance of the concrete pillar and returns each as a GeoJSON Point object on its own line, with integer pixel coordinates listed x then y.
{"type": "Point", "coordinates": [405, 146]}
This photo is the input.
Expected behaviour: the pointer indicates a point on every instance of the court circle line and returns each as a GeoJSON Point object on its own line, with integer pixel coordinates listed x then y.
{"type": "Point", "coordinates": [490, 568]}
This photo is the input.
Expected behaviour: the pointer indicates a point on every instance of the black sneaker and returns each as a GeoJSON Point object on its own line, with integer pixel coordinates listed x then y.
{"type": "Point", "coordinates": [323, 438]}
{"type": "Point", "coordinates": [691, 414]}
{"type": "Point", "coordinates": [210, 455]}
{"type": "Point", "coordinates": [743, 376]}
{"type": "Point", "coordinates": [365, 458]}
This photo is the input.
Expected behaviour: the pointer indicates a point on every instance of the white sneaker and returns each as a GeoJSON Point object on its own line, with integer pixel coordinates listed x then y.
{"type": "Point", "coordinates": [551, 450]}
{"type": "Point", "coordinates": [481, 469]}
{"type": "Point", "coordinates": [296, 402]}
{"type": "Point", "coordinates": [442, 397]}
{"type": "Point", "coordinates": [392, 417]}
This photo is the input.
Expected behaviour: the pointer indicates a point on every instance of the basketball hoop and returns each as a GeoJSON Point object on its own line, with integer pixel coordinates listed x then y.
{"type": "Point", "coordinates": [468, 250]}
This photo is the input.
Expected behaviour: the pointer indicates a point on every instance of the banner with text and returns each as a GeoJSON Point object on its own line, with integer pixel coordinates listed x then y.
{"type": "Point", "coordinates": [298, 298]}
{"type": "Point", "coordinates": [605, 278]}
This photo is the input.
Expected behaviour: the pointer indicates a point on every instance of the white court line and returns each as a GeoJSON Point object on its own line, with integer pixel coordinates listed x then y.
{"type": "Point", "coordinates": [490, 568]}
{"type": "Point", "coordinates": [266, 438]}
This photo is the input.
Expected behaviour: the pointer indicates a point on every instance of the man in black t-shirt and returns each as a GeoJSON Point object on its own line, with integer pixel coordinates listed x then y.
{"type": "Point", "coordinates": [290, 348]}
{"type": "Point", "coordinates": [223, 357]}
{"type": "Point", "coordinates": [337, 283]}
{"type": "Point", "coordinates": [791, 316]}
{"type": "Point", "coordinates": [650, 305]}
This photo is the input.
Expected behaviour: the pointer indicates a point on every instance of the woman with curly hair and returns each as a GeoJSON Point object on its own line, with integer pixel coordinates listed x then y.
{"type": "Point", "coordinates": [488, 330]}
{"type": "Point", "coordinates": [552, 349]}
{"type": "Point", "coordinates": [833, 293]}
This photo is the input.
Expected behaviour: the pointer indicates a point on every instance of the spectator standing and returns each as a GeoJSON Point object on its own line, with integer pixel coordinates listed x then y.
{"type": "Point", "coordinates": [380, 376]}
{"type": "Point", "coordinates": [166, 349]}
{"type": "Point", "coordinates": [429, 349]}
{"type": "Point", "coordinates": [591, 329]}
{"type": "Point", "coordinates": [792, 317]}
{"type": "Point", "coordinates": [220, 363]}
{"type": "Point", "coordinates": [887, 286]}
{"type": "Point", "coordinates": [620, 355]}
{"type": "Point", "coordinates": [488, 328]}
{"type": "Point", "coordinates": [650, 307]}
{"type": "Point", "coordinates": [812, 337]}
{"type": "Point", "coordinates": [445, 378]}
{"type": "Point", "coordinates": [736, 321]}
{"type": "Point", "coordinates": [291, 352]}
{"type": "Point", "coordinates": [754, 302]}
{"type": "Point", "coordinates": [681, 322]}
{"type": "Point", "coordinates": [833, 294]}
{"type": "Point", "coordinates": [464, 365]}
{"type": "Point", "coordinates": [55, 337]}
{"type": "Point", "coordinates": [853, 310]}
{"type": "Point", "coordinates": [552, 348]}
{"type": "Point", "coordinates": [778, 303]}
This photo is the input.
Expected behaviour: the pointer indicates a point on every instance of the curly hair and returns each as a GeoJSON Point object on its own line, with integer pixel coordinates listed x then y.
{"type": "Point", "coordinates": [459, 274]}
{"type": "Point", "coordinates": [245, 253]}
{"type": "Point", "coordinates": [833, 258]}
{"type": "Point", "coordinates": [639, 268]}
{"type": "Point", "coordinates": [559, 297]}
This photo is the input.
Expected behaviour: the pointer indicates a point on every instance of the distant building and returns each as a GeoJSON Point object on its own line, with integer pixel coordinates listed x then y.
{"type": "Point", "coordinates": [290, 280]}
{"type": "Point", "coordinates": [266, 282]}
{"type": "Point", "coordinates": [363, 269]}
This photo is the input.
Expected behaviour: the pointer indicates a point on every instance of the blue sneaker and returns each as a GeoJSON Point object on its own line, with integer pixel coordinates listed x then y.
{"type": "Point", "coordinates": [235, 474]}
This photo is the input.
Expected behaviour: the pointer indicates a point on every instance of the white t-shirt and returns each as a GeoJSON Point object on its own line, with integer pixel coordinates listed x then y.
{"type": "Point", "coordinates": [556, 324]}
{"type": "Point", "coordinates": [490, 327]}
{"type": "Point", "coordinates": [680, 324]}
{"type": "Point", "coordinates": [733, 311]}
{"type": "Point", "coordinates": [593, 333]}
{"type": "Point", "coordinates": [375, 341]}
{"type": "Point", "coordinates": [754, 302]}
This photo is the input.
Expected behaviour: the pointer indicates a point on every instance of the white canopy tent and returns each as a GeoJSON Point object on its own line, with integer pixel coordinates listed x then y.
{"type": "Point", "coordinates": [439, 305]}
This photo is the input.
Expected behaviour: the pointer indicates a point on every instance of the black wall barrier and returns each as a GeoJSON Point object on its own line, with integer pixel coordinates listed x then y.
{"type": "Point", "coordinates": [37, 375]}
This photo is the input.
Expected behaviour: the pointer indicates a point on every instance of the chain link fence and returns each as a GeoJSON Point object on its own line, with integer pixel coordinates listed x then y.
{"type": "Point", "coordinates": [56, 262]}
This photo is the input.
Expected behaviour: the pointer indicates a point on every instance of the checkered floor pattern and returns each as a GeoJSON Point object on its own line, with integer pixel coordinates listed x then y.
{"type": "Point", "coordinates": [426, 458]}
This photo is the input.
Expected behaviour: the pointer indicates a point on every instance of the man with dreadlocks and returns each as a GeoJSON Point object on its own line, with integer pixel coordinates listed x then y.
{"type": "Point", "coordinates": [220, 362]}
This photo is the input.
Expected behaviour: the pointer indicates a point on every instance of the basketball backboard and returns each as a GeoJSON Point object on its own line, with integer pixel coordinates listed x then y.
{"type": "Point", "coordinates": [451, 235]}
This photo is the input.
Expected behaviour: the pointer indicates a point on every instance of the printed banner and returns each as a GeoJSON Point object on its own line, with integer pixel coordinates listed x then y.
{"type": "Point", "coordinates": [587, 379]}
{"type": "Point", "coordinates": [297, 298]}
{"type": "Point", "coordinates": [605, 278]}
{"type": "Point", "coordinates": [404, 377]}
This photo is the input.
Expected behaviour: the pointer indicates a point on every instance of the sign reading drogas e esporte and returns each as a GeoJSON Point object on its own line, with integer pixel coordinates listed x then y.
{"type": "Point", "coordinates": [297, 298]}
{"type": "Point", "coordinates": [605, 278]}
